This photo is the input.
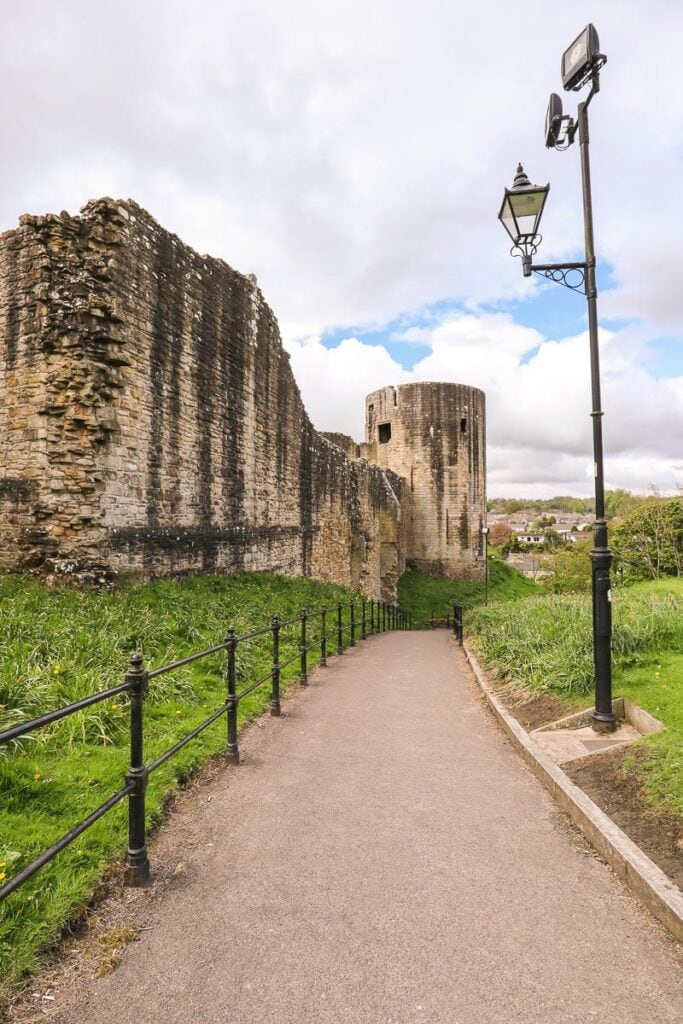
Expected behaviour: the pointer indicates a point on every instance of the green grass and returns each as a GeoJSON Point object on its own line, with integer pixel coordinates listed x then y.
{"type": "Point", "coordinates": [426, 595]}
{"type": "Point", "coordinates": [59, 645]}
{"type": "Point", "coordinates": [546, 644]}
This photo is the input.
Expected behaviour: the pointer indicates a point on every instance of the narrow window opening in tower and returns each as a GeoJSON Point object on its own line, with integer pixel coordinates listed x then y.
{"type": "Point", "coordinates": [384, 433]}
{"type": "Point", "coordinates": [447, 526]}
{"type": "Point", "coordinates": [412, 485]}
{"type": "Point", "coordinates": [463, 425]}
{"type": "Point", "coordinates": [395, 396]}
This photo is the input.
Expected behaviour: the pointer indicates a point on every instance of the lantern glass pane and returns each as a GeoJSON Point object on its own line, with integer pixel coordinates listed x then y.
{"type": "Point", "coordinates": [508, 220]}
{"type": "Point", "coordinates": [527, 208]}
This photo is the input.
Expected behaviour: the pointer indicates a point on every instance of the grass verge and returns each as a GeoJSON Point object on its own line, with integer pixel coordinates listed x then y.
{"type": "Point", "coordinates": [548, 648]}
{"type": "Point", "coordinates": [424, 595]}
{"type": "Point", "coordinates": [59, 645]}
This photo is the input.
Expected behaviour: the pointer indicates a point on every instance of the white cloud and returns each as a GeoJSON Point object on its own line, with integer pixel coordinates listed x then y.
{"type": "Point", "coordinates": [334, 382]}
{"type": "Point", "coordinates": [539, 428]}
{"type": "Point", "coordinates": [353, 156]}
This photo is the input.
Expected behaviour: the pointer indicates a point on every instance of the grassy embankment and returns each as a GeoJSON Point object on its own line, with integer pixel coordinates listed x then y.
{"type": "Point", "coordinates": [549, 648]}
{"type": "Point", "coordinates": [61, 645]}
{"type": "Point", "coordinates": [426, 595]}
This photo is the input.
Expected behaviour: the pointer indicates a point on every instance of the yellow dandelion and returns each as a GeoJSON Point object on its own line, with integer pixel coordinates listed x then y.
{"type": "Point", "coordinates": [36, 776]}
{"type": "Point", "coordinates": [3, 876]}
{"type": "Point", "coordinates": [57, 669]}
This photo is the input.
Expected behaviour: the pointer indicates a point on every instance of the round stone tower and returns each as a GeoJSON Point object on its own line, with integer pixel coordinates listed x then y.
{"type": "Point", "coordinates": [434, 435]}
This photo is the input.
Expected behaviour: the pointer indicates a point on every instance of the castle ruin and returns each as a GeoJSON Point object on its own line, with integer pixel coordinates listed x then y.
{"type": "Point", "coordinates": [150, 422]}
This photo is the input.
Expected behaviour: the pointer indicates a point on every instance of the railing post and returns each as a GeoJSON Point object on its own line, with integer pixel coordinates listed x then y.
{"type": "Point", "coordinates": [340, 638]}
{"type": "Point", "coordinates": [363, 631]}
{"type": "Point", "coordinates": [353, 623]}
{"type": "Point", "coordinates": [323, 637]}
{"type": "Point", "coordinates": [137, 861]}
{"type": "Point", "coordinates": [232, 753]}
{"type": "Point", "coordinates": [457, 613]}
{"type": "Point", "coordinates": [372, 617]}
{"type": "Point", "coordinates": [275, 692]}
{"type": "Point", "coordinates": [303, 678]}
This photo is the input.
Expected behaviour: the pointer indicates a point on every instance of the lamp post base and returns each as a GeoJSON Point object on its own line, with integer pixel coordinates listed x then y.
{"type": "Point", "coordinates": [603, 723]}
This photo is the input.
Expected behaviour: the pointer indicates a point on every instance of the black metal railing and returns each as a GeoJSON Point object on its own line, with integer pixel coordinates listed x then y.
{"type": "Point", "coordinates": [437, 621]}
{"type": "Point", "coordinates": [371, 618]}
{"type": "Point", "coordinates": [452, 620]}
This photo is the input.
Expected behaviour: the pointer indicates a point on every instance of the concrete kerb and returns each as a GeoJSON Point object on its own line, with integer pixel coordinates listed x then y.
{"type": "Point", "coordinates": [648, 882]}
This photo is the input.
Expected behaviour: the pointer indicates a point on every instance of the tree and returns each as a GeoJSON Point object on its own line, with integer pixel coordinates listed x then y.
{"type": "Point", "coordinates": [619, 502]}
{"type": "Point", "coordinates": [551, 539]}
{"type": "Point", "coordinates": [649, 541]}
{"type": "Point", "coordinates": [569, 570]}
{"type": "Point", "coordinates": [499, 533]}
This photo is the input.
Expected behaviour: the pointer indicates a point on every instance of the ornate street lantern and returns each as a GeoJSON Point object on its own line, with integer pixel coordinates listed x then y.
{"type": "Point", "coordinates": [521, 211]}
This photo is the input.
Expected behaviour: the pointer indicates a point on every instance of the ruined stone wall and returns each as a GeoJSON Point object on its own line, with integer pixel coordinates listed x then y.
{"type": "Point", "coordinates": [343, 441]}
{"type": "Point", "coordinates": [150, 420]}
{"type": "Point", "coordinates": [434, 436]}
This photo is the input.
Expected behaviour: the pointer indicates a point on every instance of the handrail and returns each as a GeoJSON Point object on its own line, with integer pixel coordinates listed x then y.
{"type": "Point", "coordinates": [375, 617]}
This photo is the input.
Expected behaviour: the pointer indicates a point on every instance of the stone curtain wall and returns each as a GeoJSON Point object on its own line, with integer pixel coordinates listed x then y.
{"type": "Point", "coordinates": [150, 420]}
{"type": "Point", "coordinates": [434, 436]}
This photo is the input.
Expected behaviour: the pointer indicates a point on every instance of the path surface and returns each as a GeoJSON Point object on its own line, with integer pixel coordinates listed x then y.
{"type": "Point", "coordinates": [383, 857]}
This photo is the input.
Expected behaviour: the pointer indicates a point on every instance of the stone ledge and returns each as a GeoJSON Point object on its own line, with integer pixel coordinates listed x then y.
{"type": "Point", "coordinates": [645, 880]}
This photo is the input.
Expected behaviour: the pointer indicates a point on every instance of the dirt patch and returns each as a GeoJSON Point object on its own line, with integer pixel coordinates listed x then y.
{"type": "Point", "coordinates": [618, 791]}
{"type": "Point", "coordinates": [614, 787]}
{"type": "Point", "coordinates": [533, 711]}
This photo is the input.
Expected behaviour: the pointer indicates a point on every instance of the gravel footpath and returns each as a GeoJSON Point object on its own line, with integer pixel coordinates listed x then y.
{"type": "Point", "coordinates": [384, 856]}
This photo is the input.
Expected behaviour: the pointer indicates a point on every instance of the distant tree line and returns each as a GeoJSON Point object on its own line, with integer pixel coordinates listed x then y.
{"type": "Point", "coordinates": [618, 502]}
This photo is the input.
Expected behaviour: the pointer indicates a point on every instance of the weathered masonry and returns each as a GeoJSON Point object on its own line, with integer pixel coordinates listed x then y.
{"type": "Point", "coordinates": [150, 421]}
{"type": "Point", "coordinates": [433, 435]}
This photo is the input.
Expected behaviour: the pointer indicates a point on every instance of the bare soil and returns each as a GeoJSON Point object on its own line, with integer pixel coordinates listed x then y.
{"type": "Point", "coordinates": [618, 791]}
{"type": "Point", "coordinates": [532, 711]}
{"type": "Point", "coordinates": [613, 786]}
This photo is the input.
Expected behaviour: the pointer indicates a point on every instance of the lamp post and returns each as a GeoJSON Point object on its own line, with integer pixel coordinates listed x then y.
{"type": "Point", "coordinates": [485, 545]}
{"type": "Point", "coordinates": [520, 214]}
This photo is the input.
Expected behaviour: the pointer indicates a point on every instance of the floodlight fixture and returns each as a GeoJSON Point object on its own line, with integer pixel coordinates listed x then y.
{"type": "Point", "coordinates": [582, 60]}
{"type": "Point", "coordinates": [559, 128]}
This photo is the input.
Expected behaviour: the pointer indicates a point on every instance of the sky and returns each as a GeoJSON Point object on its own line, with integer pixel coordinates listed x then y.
{"type": "Point", "coordinates": [353, 155]}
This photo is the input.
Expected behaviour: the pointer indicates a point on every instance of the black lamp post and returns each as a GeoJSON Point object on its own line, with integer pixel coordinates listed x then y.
{"type": "Point", "coordinates": [485, 545]}
{"type": "Point", "coordinates": [520, 214]}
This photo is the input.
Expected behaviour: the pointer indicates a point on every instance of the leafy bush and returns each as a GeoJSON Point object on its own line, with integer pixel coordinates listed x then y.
{"type": "Point", "coordinates": [648, 544]}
